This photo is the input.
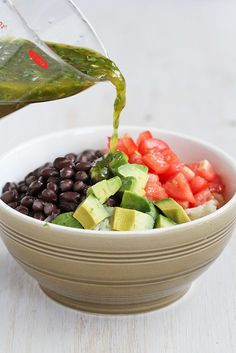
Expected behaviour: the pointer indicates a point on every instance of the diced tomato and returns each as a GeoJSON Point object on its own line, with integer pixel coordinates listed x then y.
{"type": "Point", "coordinates": [129, 144]}
{"type": "Point", "coordinates": [198, 184]}
{"type": "Point", "coordinates": [169, 155]}
{"type": "Point", "coordinates": [174, 164]}
{"type": "Point", "coordinates": [156, 161]}
{"type": "Point", "coordinates": [178, 188]}
{"type": "Point", "coordinates": [206, 170]}
{"type": "Point", "coordinates": [153, 178]}
{"type": "Point", "coordinates": [144, 136]}
{"type": "Point", "coordinates": [202, 197]}
{"type": "Point", "coordinates": [193, 167]}
{"type": "Point", "coordinates": [136, 158]}
{"type": "Point", "coordinates": [154, 189]}
{"type": "Point", "coordinates": [216, 185]}
{"type": "Point", "coordinates": [203, 169]}
{"type": "Point", "coordinates": [188, 173]}
{"type": "Point", "coordinates": [146, 145]}
{"type": "Point", "coordinates": [184, 204]}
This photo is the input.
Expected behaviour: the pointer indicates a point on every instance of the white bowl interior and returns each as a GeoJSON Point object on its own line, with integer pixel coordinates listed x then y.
{"type": "Point", "coordinates": [28, 156]}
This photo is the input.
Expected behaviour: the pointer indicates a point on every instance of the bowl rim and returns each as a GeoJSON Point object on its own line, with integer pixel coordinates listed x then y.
{"type": "Point", "coordinates": [118, 234]}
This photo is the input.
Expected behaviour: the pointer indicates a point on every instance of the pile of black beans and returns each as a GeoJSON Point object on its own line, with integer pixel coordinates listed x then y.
{"type": "Point", "coordinates": [53, 188]}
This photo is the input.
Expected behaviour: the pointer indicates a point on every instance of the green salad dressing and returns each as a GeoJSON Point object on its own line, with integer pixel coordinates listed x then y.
{"type": "Point", "coordinates": [25, 80]}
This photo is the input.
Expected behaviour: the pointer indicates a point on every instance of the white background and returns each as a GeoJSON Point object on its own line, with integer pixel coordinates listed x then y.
{"type": "Point", "coordinates": [179, 59]}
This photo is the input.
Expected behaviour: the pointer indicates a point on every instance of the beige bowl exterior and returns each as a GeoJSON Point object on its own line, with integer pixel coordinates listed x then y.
{"type": "Point", "coordinates": [111, 272]}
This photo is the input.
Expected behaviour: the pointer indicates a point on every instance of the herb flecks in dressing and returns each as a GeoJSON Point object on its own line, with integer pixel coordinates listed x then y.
{"type": "Point", "coordinates": [22, 81]}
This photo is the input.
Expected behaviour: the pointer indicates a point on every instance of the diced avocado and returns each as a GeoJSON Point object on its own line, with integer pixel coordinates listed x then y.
{"type": "Point", "coordinates": [90, 212]}
{"type": "Point", "coordinates": [153, 211]}
{"type": "Point", "coordinates": [131, 184]}
{"type": "Point", "coordinates": [118, 158]}
{"type": "Point", "coordinates": [105, 188]}
{"type": "Point", "coordinates": [67, 220]}
{"type": "Point", "coordinates": [163, 222]}
{"type": "Point", "coordinates": [134, 170]}
{"type": "Point", "coordinates": [142, 167]}
{"type": "Point", "coordinates": [101, 169]}
{"type": "Point", "coordinates": [128, 184]}
{"type": "Point", "coordinates": [108, 165]}
{"type": "Point", "coordinates": [126, 219]}
{"type": "Point", "coordinates": [172, 210]}
{"type": "Point", "coordinates": [135, 202]}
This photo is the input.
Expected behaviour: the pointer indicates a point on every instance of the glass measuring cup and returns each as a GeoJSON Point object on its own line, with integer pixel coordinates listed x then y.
{"type": "Point", "coordinates": [30, 70]}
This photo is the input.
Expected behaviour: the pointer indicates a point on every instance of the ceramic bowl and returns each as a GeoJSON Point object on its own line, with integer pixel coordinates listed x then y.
{"type": "Point", "coordinates": [114, 272]}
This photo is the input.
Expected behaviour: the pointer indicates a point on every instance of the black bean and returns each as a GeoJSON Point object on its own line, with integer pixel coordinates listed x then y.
{"type": "Point", "coordinates": [85, 166]}
{"type": "Point", "coordinates": [98, 154]}
{"type": "Point", "coordinates": [23, 188]}
{"type": "Point", "coordinates": [50, 208]}
{"type": "Point", "coordinates": [82, 158]}
{"type": "Point", "coordinates": [111, 202]}
{"type": "Point", "coordinates": [22, 209]}
{"type": "Point", "coordinates": [66, 206]}
{"type": "Point", "coordinates": [10, 196]}
{"type": "Point", "coordinates": [62, 162]}
{"type": "Point", "coordinates": [27, 201]}
{"type": "Point", "coordinates": [85, 189]}
{"type": "Point", "coordinates": [9, 187]}
{"type": "Point", "coordinates": [21, 196]}
{"type": "Point", "coordinates": [13, 204]}
{"type": "Point", "coordinates": [49, 195]}
{"type": "Point", "coordinates": [66, 185]}
{"type": "Point", "coordinates": [39, 215]}
{"type": "Point", "coordinates": [38, 170]}
{"type": "Point", "coordinates": [71, 156]}
{"type": "Point", "coordinates": [78, 186]}
{"type": "Point", "coordinates": [55, 180]}
{"type": "Point", "coordinates": [82, 198]}
{"type": "Point", "coordinates": [37, 206]}
{"type": "Point", "coordinates": [35, 187]}
{"type": "Point", "coordinates": [90, 154]}
{"type": "Point", "coordinates": [81, 175]}
{"type": "Point", "coordinates": [48, 172]}
{"type": "Point", "coordinates": [70, 196]}
{"type": "Point", "coordinates": [52, 186]}
{"type": "Point", "coordinates": [30, 179]}
{"type": "Point", "coordinates": [67, 173]}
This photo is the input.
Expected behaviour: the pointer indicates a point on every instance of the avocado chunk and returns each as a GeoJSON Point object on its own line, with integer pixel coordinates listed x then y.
{"type": "Point", "coordinates": [131, 184]}
{"type": "Point", "coordinates": [140, 173]}
{"type": "Point", "coordinates": [171, 209]}
{"type": "Point", "coordinates": [118, 158]}
{"type": "Point", "coordinates": [67, 220]}
{"type": "Point", "coordinates": [163, 222]}
{"type": "Point", "coordinates": [135, 202]}
{"type": "Point", "coordinates": [107, 166]}
{"type": "Point", "coordinates": [141, 167]}
{"type": "Point", "coordinates": [126, 219]}
{"type": "Point", "coordinates": [153, 211]}
{"type": "Point", "coordinates": [100, 170]}
{"type": "Point", "coordinates": [105, 188]}
{"type": "Point", "coordinates": [90, 212]}
{"type": "Point", "coordinates": [128, 184]}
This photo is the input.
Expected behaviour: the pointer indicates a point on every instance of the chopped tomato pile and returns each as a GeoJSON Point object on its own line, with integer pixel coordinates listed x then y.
{"type": "Point", "coordinates": [190, 185]}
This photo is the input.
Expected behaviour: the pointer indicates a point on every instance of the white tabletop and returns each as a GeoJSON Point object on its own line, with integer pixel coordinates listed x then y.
{"type": "Point", "coordinates": [179, 58]}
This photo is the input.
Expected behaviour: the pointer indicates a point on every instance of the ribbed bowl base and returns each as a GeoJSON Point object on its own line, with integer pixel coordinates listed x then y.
{"type": "Point", "coordinates": [115, 309]}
